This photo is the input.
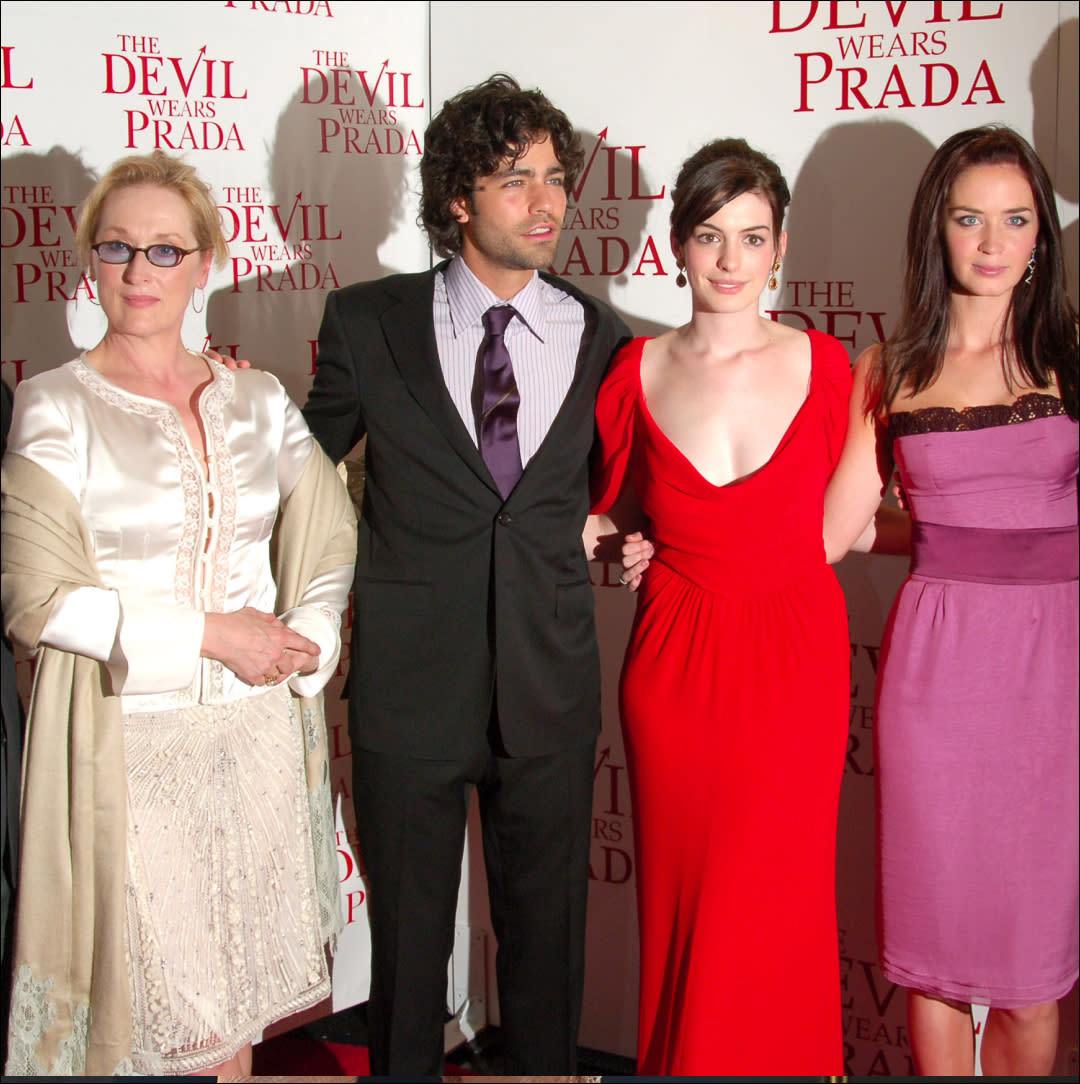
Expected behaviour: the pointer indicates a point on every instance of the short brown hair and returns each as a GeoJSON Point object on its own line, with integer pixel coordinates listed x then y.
{"type": "Point", "coordinates": [718, 173]}
{"type": "Point", "coordinates": [161, 170]}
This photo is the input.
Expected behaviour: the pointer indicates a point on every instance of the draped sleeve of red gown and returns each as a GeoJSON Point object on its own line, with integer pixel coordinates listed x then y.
{"type": "Point", "coordinates": [734, 701]}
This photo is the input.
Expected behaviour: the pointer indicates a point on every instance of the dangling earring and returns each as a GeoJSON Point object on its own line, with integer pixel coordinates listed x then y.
{"type": "Point", "coordinates": [202, 301]}
{"type": "Point", "coordinates": [773, 283]}
{"type": "Point", "coordinates": [680, 279]}
{"type": "Point", "coordinates": [1031, 269]}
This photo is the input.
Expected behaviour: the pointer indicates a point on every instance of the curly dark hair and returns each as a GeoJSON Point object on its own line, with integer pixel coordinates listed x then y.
{"type": "Point", "coordinates": [469, 138]}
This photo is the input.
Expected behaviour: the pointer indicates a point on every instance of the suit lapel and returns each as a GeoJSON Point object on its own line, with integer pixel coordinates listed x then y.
{"type": "Point", "coordinates": [410, 334]}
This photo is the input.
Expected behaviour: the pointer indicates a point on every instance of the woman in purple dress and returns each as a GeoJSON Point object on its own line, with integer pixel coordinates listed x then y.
{"type": "Point", "coordinates": [974, 398]}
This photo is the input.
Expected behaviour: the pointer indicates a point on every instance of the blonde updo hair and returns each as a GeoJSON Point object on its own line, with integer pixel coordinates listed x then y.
{"type": "Point", "coordinates": [163, 171]}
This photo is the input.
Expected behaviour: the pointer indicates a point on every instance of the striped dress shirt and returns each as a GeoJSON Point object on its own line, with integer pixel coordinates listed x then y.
{"type": "Point", "coordinates": [543, 343]}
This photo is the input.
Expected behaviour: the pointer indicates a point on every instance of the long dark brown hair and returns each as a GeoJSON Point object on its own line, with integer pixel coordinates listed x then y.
{"type": "Point", "coordinates": [1039, 337]}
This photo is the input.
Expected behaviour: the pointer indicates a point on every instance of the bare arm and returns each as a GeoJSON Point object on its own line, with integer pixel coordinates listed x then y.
{"type": "Point", "coordinates": [889, 532]}
{"type": "Point", "coordinates": [603, 534]}
{"type": "Point", "coordinates": [617, 536]}
{"type": "Point", "coordinates": [607, 534]}
{"type": "Point", "coordinates": [854, 516]}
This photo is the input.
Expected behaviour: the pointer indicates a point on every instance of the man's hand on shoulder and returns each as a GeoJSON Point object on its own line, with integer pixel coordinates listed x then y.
{"type": "Point", "coordinates": [228, 362]}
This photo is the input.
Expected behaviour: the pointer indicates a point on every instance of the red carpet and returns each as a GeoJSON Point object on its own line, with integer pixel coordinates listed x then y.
{"type": "Point", "coordinates": [287, 1055]}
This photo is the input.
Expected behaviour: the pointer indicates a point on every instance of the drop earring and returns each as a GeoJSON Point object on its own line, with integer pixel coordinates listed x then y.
{"type": "Point", "coordinates": [202, 300]}
{"type": "Point", "coordinates": [773, 281]}
{"type": "Point", "coordinates": [680, 279]}
{"type": "Point", "coordinates": [1031, 269]}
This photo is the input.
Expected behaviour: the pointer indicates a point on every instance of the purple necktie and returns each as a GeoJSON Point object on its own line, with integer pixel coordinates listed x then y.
{"type": "Point", "coordinates": [496, 401]}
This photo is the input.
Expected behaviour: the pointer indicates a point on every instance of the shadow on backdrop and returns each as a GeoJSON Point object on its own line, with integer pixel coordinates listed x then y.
{"type": "Point", "coordinates": [35, 286]}
{"type": "Point", "coordinates": [849, 212]}
{"type": "Point", "coordinates": [1054, 96]}
{"type": "Point", "coordinates": [319, 226]}
{"type": "Point", "coordinates": [609, 234]}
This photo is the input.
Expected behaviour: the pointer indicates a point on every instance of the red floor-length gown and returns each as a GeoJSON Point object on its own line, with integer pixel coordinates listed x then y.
{"type": "Point", "coordinates": [735, 703]}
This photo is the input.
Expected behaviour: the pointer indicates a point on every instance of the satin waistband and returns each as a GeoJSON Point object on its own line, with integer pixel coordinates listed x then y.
{"type": "Point", "coordinates": [985, 555]}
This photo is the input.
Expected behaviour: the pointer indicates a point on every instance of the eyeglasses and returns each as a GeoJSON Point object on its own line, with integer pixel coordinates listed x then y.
{"type": "Point", "coordinates": [158, 255]}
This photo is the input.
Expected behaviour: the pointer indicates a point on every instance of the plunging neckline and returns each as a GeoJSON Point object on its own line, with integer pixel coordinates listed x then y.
{"type": "Point", "coordinates": [744, 478]}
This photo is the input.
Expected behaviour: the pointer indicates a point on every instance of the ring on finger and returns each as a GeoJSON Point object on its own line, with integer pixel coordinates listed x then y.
{"type": "Point", "coordinates": [623, 580]}
{"type": "Point", "coordinates": [271, 679]}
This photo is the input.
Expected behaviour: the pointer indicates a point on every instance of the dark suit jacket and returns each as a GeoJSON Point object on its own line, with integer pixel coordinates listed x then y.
{"type": "Point", "coordinates": [10, 769]}
{"type": "Point", "coordinates": [459, 595]}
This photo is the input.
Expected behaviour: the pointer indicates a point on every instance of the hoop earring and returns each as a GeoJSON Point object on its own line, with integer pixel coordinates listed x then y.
{"type": "Point", "coordinates": [773, 283]}
{"type": "Point", "coordinates": [680, 279]}
{"type": "Point", "coordinates": [1031, 269]}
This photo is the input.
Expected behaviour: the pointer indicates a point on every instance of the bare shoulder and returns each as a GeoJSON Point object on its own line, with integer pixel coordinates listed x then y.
{"type": "Point", "coordinates": [788, 351]}
{"type": "Point", "coordinates": [783, 334]}
{"type": "Point", "coordinates": [659, 349]}
{"type": "Point", "coordinates": [866, 364]}
{"type": "Point", "coordinates": [787, 345]}
{"type": "Point", "coordinates": [869, 358]}
{"type": "Point", "coordinates": [867, 384]}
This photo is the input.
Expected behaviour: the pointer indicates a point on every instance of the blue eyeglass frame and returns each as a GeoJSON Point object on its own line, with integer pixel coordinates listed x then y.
{"type": "Point", "coordinates": [131, 249]}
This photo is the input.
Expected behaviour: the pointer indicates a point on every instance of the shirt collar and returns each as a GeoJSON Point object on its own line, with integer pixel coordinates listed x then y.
{"type": "Point", "coordinates": [469, 299]}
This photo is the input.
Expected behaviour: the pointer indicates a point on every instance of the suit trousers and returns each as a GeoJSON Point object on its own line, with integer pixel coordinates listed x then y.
{"type": "Point", "coordinates": [411, 817]}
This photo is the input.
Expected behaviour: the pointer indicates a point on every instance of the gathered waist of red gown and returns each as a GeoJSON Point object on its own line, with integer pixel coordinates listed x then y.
{"type": "Point", "coordinates": [990, 555]}
{"type": "Point", "coordinates": [742, 573]}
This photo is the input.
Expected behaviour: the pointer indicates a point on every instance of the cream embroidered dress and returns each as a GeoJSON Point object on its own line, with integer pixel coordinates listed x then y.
{"type": "Point", "coordinates": [222, 914]}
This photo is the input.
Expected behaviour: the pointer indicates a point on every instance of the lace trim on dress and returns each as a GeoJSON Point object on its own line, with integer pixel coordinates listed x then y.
{"type": "Point", "coordinates": [190, 480]}
{"type": "Point", "coordinates": [1028, 407]}
{"type": "Point", "coordinates": [323, 839]}
{"type": "Point", "coordinates": [211, 409]}
{"type": "Point", "coordinates": [33, 1011]}
{"type": "Point", "coordinates": [188, 589]}
{"type": "Point", "coordinates": [32, 1014]}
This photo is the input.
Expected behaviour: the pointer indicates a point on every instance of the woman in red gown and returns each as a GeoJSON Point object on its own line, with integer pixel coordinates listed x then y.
{"type": "Point", "coordinates": [734, 692]}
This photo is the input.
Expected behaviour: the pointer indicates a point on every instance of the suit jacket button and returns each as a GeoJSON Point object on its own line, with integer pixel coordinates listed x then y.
{"type": "Point", "coordinates": [505, 519]}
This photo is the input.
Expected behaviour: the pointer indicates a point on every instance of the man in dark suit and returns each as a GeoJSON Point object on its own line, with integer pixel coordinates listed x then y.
{"type": "Point", "coordinates": [10, 777]}
{"type": "Point", "coordinates": [474, 659]}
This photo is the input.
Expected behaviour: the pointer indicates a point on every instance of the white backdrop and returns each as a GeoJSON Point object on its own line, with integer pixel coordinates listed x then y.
{"type": "Point", "coordinates": [308, 119]}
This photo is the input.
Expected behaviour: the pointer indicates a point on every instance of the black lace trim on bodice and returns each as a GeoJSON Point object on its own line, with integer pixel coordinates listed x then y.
{"type": "Point", "coordinates": [1027, 408]}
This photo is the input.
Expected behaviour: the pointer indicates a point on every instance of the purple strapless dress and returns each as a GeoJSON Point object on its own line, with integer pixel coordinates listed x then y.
{"type": "Point", "coordinates": [976, 722]}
